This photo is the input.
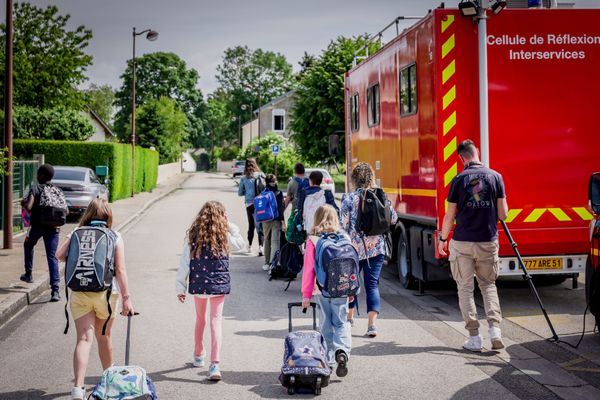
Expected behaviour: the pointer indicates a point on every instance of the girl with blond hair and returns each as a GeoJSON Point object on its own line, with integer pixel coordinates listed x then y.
{"type": "Point", "coordinates": [90, 309]}
{"type": "Point", "coordinates": [204, 273]}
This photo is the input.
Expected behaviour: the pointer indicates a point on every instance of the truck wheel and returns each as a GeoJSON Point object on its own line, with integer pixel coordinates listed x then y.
{"type": "Point", "coordinates": [403, 261]}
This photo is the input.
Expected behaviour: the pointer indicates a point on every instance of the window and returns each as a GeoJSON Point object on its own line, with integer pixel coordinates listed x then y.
{"type": "Point", "coordinates": [373, 105]}
{"type": "Point", "coordinates": [278, 120]}
{"type": "Point", "coordinates": [69, 174]}
{"type": "Point", "coordinates": [93, 177]}
{"type": "Point", "coordinates": [408, 90]}
{"type": "Point", "coordinates": [354, 112]}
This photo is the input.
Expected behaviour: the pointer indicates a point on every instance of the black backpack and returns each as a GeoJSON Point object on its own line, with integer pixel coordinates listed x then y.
{"type": "Point", "coordinates": [287, 263]}
{"type": "Point", "coordinates": [259, 184]}
{"type": "Point", "coordinates": [374, 216]}
{"type": "Point", "coordinates": [52, 207]}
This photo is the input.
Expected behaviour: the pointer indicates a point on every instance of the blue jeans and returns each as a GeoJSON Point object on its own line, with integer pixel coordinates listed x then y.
{"type": "Point", "coordinates": [371, 271]}
{"type": "Point", "coordinates": [335, 327]}
{"type": "Point", "coordinates": [50, 235]}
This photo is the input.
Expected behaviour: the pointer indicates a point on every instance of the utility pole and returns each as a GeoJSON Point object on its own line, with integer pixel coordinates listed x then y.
{"type": "Point", "coordinates": [8, 130]}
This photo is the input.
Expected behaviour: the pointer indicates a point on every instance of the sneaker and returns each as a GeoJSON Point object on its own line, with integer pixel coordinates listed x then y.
{"type": "Point", "coordinates": [26, 278]}
{"type": "Point", "coordinates": [496, 338]}
{"type": "Point", "coordinates": [371, 331]}
{"type": "Point", "coordinates": [198, 361]}
{"type": "Point", "coordinates": [266, 267]}
{"type": "Point", "coordinates": [473, 344]}
{"type": "Point", "coordinates": [260, 251]}
{"type": "Point", "coordinates": [77, 393]}
{"type": "Point", "coordinates": [342, 363]}
{"type": "Point", "coordinates": [55, 296]}
{"type": "Point", "coordinates": [351, 322]}
{"type": "Point", "coordinates": [214, 374]}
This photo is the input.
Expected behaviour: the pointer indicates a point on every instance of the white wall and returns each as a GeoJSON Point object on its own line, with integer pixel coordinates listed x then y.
{"type": "Point", "coordinates": [189, 164]}
{"type": "Point", "coordinates": [224, 166]}
{"type": "Point", "coordinates": [168, 171]}
{"type": "Point", "coordinates": [249, 132]}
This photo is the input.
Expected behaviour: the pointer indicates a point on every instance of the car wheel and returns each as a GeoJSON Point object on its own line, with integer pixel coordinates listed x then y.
{"type": "Point", "coordinates": [403, 261]}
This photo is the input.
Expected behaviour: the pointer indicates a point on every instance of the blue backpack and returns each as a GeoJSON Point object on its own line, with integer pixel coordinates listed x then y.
{"type": "Point", "coordinates": [336, 266]}
{"type": "Point", "coordinates": [265, 206]}
{"type": "Point", "coordinates": [303, 183]}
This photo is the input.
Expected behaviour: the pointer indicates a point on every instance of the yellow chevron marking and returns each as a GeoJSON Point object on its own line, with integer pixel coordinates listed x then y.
{"type": "Point", "coordinates": [449, 149]}
{"type": "Point", "coordinates": [512, 214]}
{"type": "Point", "coordinates": [446, 22]}
{"type": "Point", "coordinates": [449, 97]}
{"type": "Point", "coordinates": [451, 173]}
{"type": "Point", "coordinates": [449, 123]}
{"type": "Point", "coordinates": [559, 214]}
{"type": "Point", "coordinates": [583, 213]}
{"type": "Point", "coordinates": [535, 215]}
{"type": "Point", "coordinates": [448, 46]}
{"type": "Point", "coordinates": [448, 71]}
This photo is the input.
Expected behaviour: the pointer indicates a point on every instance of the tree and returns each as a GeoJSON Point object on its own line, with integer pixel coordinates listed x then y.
{"type": "Point", "coordinates": [49, 60]}
{"type": "Point", "coordinates": [218, 120]}
{"type": "Point", "coordinates": [318, 110]}
{"type": "Point", "coordinates": [162, 124]}
{"type": "Point", "coordinates": [159, 75]}
{"type": "Point", "coordinates": [307, 61]}
{"type": "Point", "coordinates": [101, 99]}
{"type": "Point", "coordinates": [55, 123]}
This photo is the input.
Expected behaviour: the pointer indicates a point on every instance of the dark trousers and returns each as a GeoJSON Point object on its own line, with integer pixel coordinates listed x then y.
{"type": "Point", "coordinates": [252, 225]}
{"type": "Point", "coordinates": [50, 235]}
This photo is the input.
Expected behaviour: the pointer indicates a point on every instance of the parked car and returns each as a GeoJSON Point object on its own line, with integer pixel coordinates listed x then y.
{"type": "Point", "coordinates": [80, 186]}
{"type": "Point", "coordinates": [238, 168]}
{"type": "Point", "coordinates": [327, 183]}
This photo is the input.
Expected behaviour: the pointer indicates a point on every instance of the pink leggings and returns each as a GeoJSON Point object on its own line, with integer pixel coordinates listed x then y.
{"type": "Point", "coordinates": [216, 319]}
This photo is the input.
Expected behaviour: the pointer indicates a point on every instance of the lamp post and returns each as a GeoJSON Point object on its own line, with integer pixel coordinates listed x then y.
{"type": "Point", "coordinates": [151, 36]}
{"type": "Point", "coordinates": [7, 180]}
{"type": "Point", "coordinates": [245, 107]}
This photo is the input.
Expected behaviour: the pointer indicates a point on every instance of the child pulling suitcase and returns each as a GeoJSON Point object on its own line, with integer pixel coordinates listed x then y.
{"type": "Point", "coordinates": [304, 359]}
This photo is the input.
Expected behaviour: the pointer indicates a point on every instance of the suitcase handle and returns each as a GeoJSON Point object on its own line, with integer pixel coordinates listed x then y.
{"type": "Point", "coordinates": [127, 340]}
{"type": "Point", "coordinates": [298, 304]}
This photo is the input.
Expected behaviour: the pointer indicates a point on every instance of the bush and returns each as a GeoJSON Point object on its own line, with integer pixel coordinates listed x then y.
{"type": "Point", "coordinates": [286, 160]}
{"type": "Point", "coordinates": [90, 154]}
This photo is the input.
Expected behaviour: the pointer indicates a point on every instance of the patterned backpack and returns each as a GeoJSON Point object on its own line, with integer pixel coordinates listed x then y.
{"type": "Point", "coordinates": [336, 266]}
{"type": "Point", "coordinates": [53, 208]}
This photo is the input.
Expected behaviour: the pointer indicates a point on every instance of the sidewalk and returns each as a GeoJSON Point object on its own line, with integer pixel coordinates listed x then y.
{"type": "Point", "coordinates": [15, 295]}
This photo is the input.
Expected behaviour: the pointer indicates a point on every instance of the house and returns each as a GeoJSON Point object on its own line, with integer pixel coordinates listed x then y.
{"type": "Point", "coordinates": [102, 132]}
{"type": "Point", "coordinates": [270, 117]}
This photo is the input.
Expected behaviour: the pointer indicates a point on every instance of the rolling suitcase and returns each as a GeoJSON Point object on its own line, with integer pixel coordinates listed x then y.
{"type": "Point", "coordinates": [305, 358]}
{"type": "Point", "coordinates": [128, 382]}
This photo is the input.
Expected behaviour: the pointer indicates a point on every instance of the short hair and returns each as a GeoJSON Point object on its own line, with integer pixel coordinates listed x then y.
{"type": "Point", "coordinates": [45, 173]}
{"type": "Point", "coordinates": [270, 178]}
{"type": "Point", "coordinates": [363, 176]}
{"type": "Point", "coordinates": [316, 177]}
{"type": "Point", "coordinates": [467, 149]}
{"type": "Point", "coordinates": [299, 169]}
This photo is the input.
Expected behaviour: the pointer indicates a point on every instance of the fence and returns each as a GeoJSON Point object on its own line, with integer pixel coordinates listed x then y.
{"type": "Point", "coordinates": [24, 175]}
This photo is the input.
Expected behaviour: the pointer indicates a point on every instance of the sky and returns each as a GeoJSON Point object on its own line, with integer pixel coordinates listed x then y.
{"type": "Point", "coordinates": [199, 31]}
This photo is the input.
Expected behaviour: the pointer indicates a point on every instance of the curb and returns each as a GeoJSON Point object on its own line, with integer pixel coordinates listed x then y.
{"type": "Point", "coordinates": [22, 297]}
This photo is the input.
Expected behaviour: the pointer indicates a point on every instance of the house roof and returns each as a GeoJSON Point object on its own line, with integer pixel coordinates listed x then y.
{"type": "Point", "coordinates": [95, 115]}
{"type": "Point", "coordinates": [275, 100]}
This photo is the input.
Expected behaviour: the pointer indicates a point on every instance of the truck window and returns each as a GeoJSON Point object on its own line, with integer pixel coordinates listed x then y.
{"type": "Point", "coordinates": [354, 112]}
{"type": "Point", "coordinates": [408, 90]}
{"type": "Point", "coordinates": [373, 104]}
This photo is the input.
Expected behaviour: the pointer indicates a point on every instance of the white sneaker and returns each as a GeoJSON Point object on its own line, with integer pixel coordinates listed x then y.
{"type": "Point", "coordinates": [198, 361]}
{"type": "Point", "coordinates": [473, 344]}
{"type": "Point", "coordinates": [77, 393]}
{"type": "Point", "coordinates": [496, 338]}
{"type": "Point", "coordinates": [260, 251]}
{"type": "Point", "coordinates": [266, 267]}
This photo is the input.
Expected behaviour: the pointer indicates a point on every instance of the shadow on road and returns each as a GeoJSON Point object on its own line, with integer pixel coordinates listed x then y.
{"type": "Point", "coordinates": [33, 394]}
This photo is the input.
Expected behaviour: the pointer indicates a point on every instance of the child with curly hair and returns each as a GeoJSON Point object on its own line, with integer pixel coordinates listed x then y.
{"type": "Point", "coordinates": [204, 273]}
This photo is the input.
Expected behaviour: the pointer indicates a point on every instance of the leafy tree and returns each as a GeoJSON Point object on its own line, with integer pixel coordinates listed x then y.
{"type": "Point", "coordinates": [287, 158]}
{"type": "Point", "coordinates": [218, 120]}
{"type": "Point", "coordinates": [307, 61]}
{"type": "Point", "coordinates": [162, 124]}
{"type": "Point", "coordinates": [55, 123]}
{"type": "Point", "coordinates": [49, 59]}
{"type": "Point", "coordinates": [159, 75]}
{"type": "Point", "coordinates": [318, 110]}
{"type": "Point", "coordinates": [101, 98]}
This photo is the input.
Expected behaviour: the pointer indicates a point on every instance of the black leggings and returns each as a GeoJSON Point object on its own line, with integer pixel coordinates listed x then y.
{"type": "Point", "coordinates": [252, 226]}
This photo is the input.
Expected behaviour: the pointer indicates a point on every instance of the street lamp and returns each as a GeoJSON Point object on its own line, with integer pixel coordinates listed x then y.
{"type": "Point", "coordinates": [151, 36]}
{"type": "Point", "coordinates": [245, 107]}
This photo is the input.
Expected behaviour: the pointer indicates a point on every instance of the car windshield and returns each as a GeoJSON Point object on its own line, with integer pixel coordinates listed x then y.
{"type": "Point", "coordinates": [240, 163]}
{"type": "Point", "coordinates": [69, 175]}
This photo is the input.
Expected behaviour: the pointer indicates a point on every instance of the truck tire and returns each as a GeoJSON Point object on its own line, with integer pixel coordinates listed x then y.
{"type": "Point", "coordinates": [403, 260]}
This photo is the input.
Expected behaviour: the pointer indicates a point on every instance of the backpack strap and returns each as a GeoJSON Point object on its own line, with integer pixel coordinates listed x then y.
{"type": "Point", "coordinates": [108, 293]}
{"type": "Point", "coordinates": [66, 310]}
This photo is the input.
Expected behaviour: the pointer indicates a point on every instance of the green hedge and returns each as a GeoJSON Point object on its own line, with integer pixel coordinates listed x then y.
{"type": "Point", "coordinates": [90, 154]}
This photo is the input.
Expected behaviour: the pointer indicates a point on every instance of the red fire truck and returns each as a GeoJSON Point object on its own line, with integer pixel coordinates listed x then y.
{"type": "Point", "coordinates": [410, 104]}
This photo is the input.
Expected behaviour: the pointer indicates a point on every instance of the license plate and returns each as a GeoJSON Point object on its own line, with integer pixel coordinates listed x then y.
{"type": "Point", "coordinates": [544, 263]}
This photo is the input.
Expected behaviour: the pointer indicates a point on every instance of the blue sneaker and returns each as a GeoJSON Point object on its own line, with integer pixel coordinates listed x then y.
{"type": "Point", "coordinates": [213, 373]}
{"type": "Point", "coordinates": [198, 361]}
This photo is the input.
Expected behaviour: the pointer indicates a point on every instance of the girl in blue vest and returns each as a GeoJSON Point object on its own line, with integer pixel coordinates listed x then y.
{"type": "Point", "coordinates": [204, 273]}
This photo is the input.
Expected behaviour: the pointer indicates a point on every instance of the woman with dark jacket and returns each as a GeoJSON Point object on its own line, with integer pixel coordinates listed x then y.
{"type": "Point", "coordinates": [252, 180]}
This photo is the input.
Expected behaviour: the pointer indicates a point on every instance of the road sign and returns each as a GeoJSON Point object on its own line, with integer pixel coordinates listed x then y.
{"type": "Point", "coordinates": [257, 148]}
{"type": "Point", "coordinates": [275, 149]}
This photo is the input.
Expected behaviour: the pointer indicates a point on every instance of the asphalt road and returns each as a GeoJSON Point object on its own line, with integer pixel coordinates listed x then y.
{"type": "Point", "coordinates": [416, 356]}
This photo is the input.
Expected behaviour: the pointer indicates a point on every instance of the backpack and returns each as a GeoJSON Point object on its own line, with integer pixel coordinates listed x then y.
{"type": "Point", "coordinates": [124, 383]}
{"type": "Point", "coordinates": [53, 208]}
{"type": "Point", "coordinates": [265, 206]}
{"type": "Point", "coordinates": [311, 203]}
{"type": "Point", "coordinates": [303, 183]}
{"type": "Point", "coordinates": [287, 263]}
{"type": "Point", "coordinates": [336, 266]}
{"type": "Point", "coordinates": [90, 264]}
{"type": "Point", "coordinates": [259, 184]}
{"type": "Point", "coordinates": [374, 216]}
{"type": "Point", "coordinates": [292, 234]}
